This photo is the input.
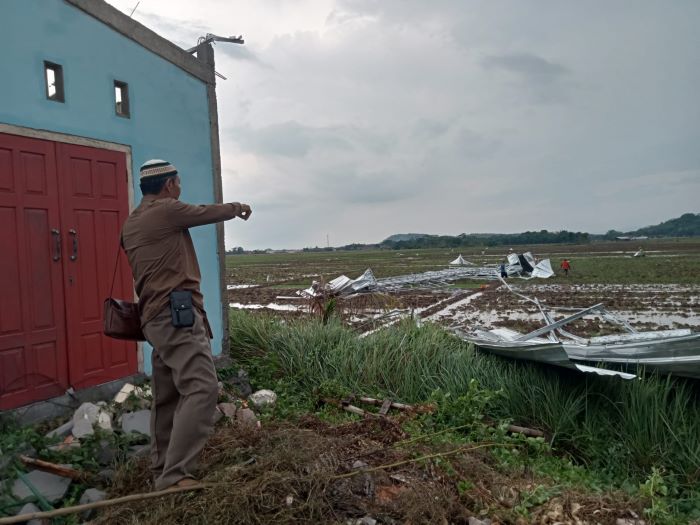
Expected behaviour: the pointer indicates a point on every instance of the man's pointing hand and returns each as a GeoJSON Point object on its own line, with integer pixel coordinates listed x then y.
{"type": "Point", "coordinates": [242, 210]}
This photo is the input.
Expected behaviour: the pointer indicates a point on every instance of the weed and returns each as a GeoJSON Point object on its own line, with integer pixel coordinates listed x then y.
{"type": "Point", "coordinates": [657, 491]}
{"type": "Point", "coordinates": [534, 498]}
{"type": "Point", "coordinates": [600, 431]}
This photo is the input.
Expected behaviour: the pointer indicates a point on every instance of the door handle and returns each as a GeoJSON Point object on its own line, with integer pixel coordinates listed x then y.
{"type": "Point", "coordinates": [74, 255]}
{"type": "Point", "coordinates": [56, 245]}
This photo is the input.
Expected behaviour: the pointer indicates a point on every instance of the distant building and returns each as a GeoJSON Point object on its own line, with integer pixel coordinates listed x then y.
{"type": "Point", "coordinates": [87, 95]}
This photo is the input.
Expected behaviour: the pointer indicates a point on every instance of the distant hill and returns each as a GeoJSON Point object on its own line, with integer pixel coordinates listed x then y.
{"type": "Point", "coordinates": [399, 237]}
{"type": "Point", "coordinates": [687, 225]}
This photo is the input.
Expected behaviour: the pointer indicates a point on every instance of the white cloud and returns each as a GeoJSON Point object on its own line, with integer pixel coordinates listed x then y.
{"type": "Point", "coordinates": [363, 118]}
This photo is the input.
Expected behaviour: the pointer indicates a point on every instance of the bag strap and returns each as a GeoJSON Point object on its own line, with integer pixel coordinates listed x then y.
{"type": "Point", "coordinates": [116, 265]}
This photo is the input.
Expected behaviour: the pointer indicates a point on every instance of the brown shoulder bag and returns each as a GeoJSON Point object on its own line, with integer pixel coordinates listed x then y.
{"type": "Point", "coordinates": [122, 319]}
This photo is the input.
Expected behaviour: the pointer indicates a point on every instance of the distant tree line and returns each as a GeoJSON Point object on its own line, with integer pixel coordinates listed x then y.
{"type": "Point", "coordinates": [495, 239]}
{"type": "Point", "coordinates": [687, 225]}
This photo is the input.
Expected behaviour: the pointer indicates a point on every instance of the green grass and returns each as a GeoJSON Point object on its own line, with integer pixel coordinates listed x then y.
{"type": "Point", "coordinates": [668, 261]}
{"type": "Point", "coordinates": [660, 269]}
{"type": "Point", "coordinates": [624, 431]}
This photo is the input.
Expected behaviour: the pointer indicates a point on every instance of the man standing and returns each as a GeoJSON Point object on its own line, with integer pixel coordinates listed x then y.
{"type": "Point", "coordinates": [566, 266]}
{"type": "Point", "coordinates": [164, 264]}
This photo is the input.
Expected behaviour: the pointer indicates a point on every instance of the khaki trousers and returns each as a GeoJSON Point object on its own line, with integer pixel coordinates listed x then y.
{"type": "Point", "coordinates": [184, 396]}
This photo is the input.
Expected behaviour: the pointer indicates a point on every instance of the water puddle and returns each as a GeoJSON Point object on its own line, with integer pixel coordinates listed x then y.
{"type": "Point", "coordinates": [269, 306]}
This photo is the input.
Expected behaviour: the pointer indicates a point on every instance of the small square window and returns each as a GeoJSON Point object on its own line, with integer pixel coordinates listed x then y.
{"type": "Point", "coordinates": [121, 98]}
{"type": "Point", "coordinates": [53, 73]}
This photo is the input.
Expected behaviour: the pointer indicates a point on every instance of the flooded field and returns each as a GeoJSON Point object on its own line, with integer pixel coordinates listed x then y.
{"type": "Point", "coordinates": [658, 291]}
{"type": "Point", "coordinates": [644, 307]}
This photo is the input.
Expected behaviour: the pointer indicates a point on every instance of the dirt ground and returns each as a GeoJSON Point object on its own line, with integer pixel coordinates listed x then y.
{"type": "Point", "coordinates": [316, 472]}
{"type": "Point", "coordinates": [645, 307]}
{"type": "Point", "coordinates": [355, 310]}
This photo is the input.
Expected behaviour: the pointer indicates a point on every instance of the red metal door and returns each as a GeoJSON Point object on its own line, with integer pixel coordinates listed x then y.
{"type": "Point", "coordinates": [94, 205]}
{"type": "Point", "coordinates": [33, 362]}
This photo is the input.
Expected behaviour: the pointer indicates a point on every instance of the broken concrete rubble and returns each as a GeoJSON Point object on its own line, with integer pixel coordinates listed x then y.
{"type": "Point", "coordinates": [228, 409]}
{"type": "Point", "coordinates": [61, 431]}
{"type": "Point", "coordinates": [105, 453]}
{"type": "Point", "coordinates": [241, 384]}
{"type": "Point", "coordinates": [30, 508]}
{"type": "Point", "coordinates": [142, 394]}
{"type": "Point", "coordinates": [50, 486]}
{"type": "Point", "coordinates": [247, 418]}
{"type": "Point", "coordinates": [139, 421]}
{"type": "Point", "coordinates": [123, 394]}
{"type": "Point", "coordinates": [91, 496]}
{"type": "Point", "coordinates": [85, 418]}
{"type": "Point", "coordinates": [263, 399]}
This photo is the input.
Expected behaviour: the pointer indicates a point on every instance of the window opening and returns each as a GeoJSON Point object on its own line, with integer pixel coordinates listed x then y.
{"type": "Point", "coordinates": [54, 81]}
{"type": "Point", "coordinates": [121, 98]}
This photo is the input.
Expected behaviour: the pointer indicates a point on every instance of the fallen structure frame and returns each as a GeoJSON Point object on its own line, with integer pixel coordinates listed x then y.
{"type": "Point", "coordinates": [665, 351]}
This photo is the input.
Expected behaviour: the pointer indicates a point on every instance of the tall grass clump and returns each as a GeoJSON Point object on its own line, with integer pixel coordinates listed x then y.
{"type": "Point", "coordinates": [624, 428]}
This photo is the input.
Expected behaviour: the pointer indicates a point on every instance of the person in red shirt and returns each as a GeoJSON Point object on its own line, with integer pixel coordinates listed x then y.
{"type": "Point", "coordinates": [566, 266]}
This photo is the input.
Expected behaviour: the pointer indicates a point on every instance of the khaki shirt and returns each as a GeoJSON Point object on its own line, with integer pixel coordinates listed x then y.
{"type": "Point", "coordinates": [160, 250]}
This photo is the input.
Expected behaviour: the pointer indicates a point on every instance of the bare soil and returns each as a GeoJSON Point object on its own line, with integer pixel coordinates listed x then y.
{"type": "Point", "coordinates": [307, 473]}
{"type": "Point", "coordinates": [645, 307]}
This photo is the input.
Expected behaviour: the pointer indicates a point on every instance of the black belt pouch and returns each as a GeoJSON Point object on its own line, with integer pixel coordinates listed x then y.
{"type": "Point", "coordinates": [181, 308]}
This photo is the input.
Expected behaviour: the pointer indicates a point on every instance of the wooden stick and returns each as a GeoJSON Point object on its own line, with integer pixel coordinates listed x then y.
{"type": "Point", "coordinates": [516, 429]}
{"type": "Point", "coordinates": [53, 468]}
{"type": "Point", "coordinates": [101, 504]}
{"type": "Point", "coordinates": [414, 460]}
{"type": "Point", "coordinates": [372, 401]}
{"type": "Point", "coordinates": [345, 405]}
{"type": "Point", "coordinates": [529, 432]}
{"type": "Point", "coordinates": [355, 410]}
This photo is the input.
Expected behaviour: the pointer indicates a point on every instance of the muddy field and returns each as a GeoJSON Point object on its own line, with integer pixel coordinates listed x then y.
{"type": "Point", "coordinates": [644, 307]}
{"type": "Point", "coordinates": [658, 291]}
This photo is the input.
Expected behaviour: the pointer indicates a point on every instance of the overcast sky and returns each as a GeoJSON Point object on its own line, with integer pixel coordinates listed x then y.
{"type": "Point", "coordinates": [358, 119]}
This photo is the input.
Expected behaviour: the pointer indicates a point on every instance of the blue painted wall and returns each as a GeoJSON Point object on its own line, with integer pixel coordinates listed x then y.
{"type": "Point", "coordinates": [169, 109]}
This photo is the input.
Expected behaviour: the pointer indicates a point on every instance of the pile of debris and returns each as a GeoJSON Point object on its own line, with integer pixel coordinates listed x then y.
{"type": "Point", "coordinates": [525, 266]}
{"type": "Point", "coordinates": [98, 439]}
{"type": "Point", "coordinates": [342, 286]}
{"type": "Point", "coordinates": [112, 432]}
{"type": "Point", "coordinates": [674, 352]}
{"type": "Point", "coordinates": [461, 261]}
